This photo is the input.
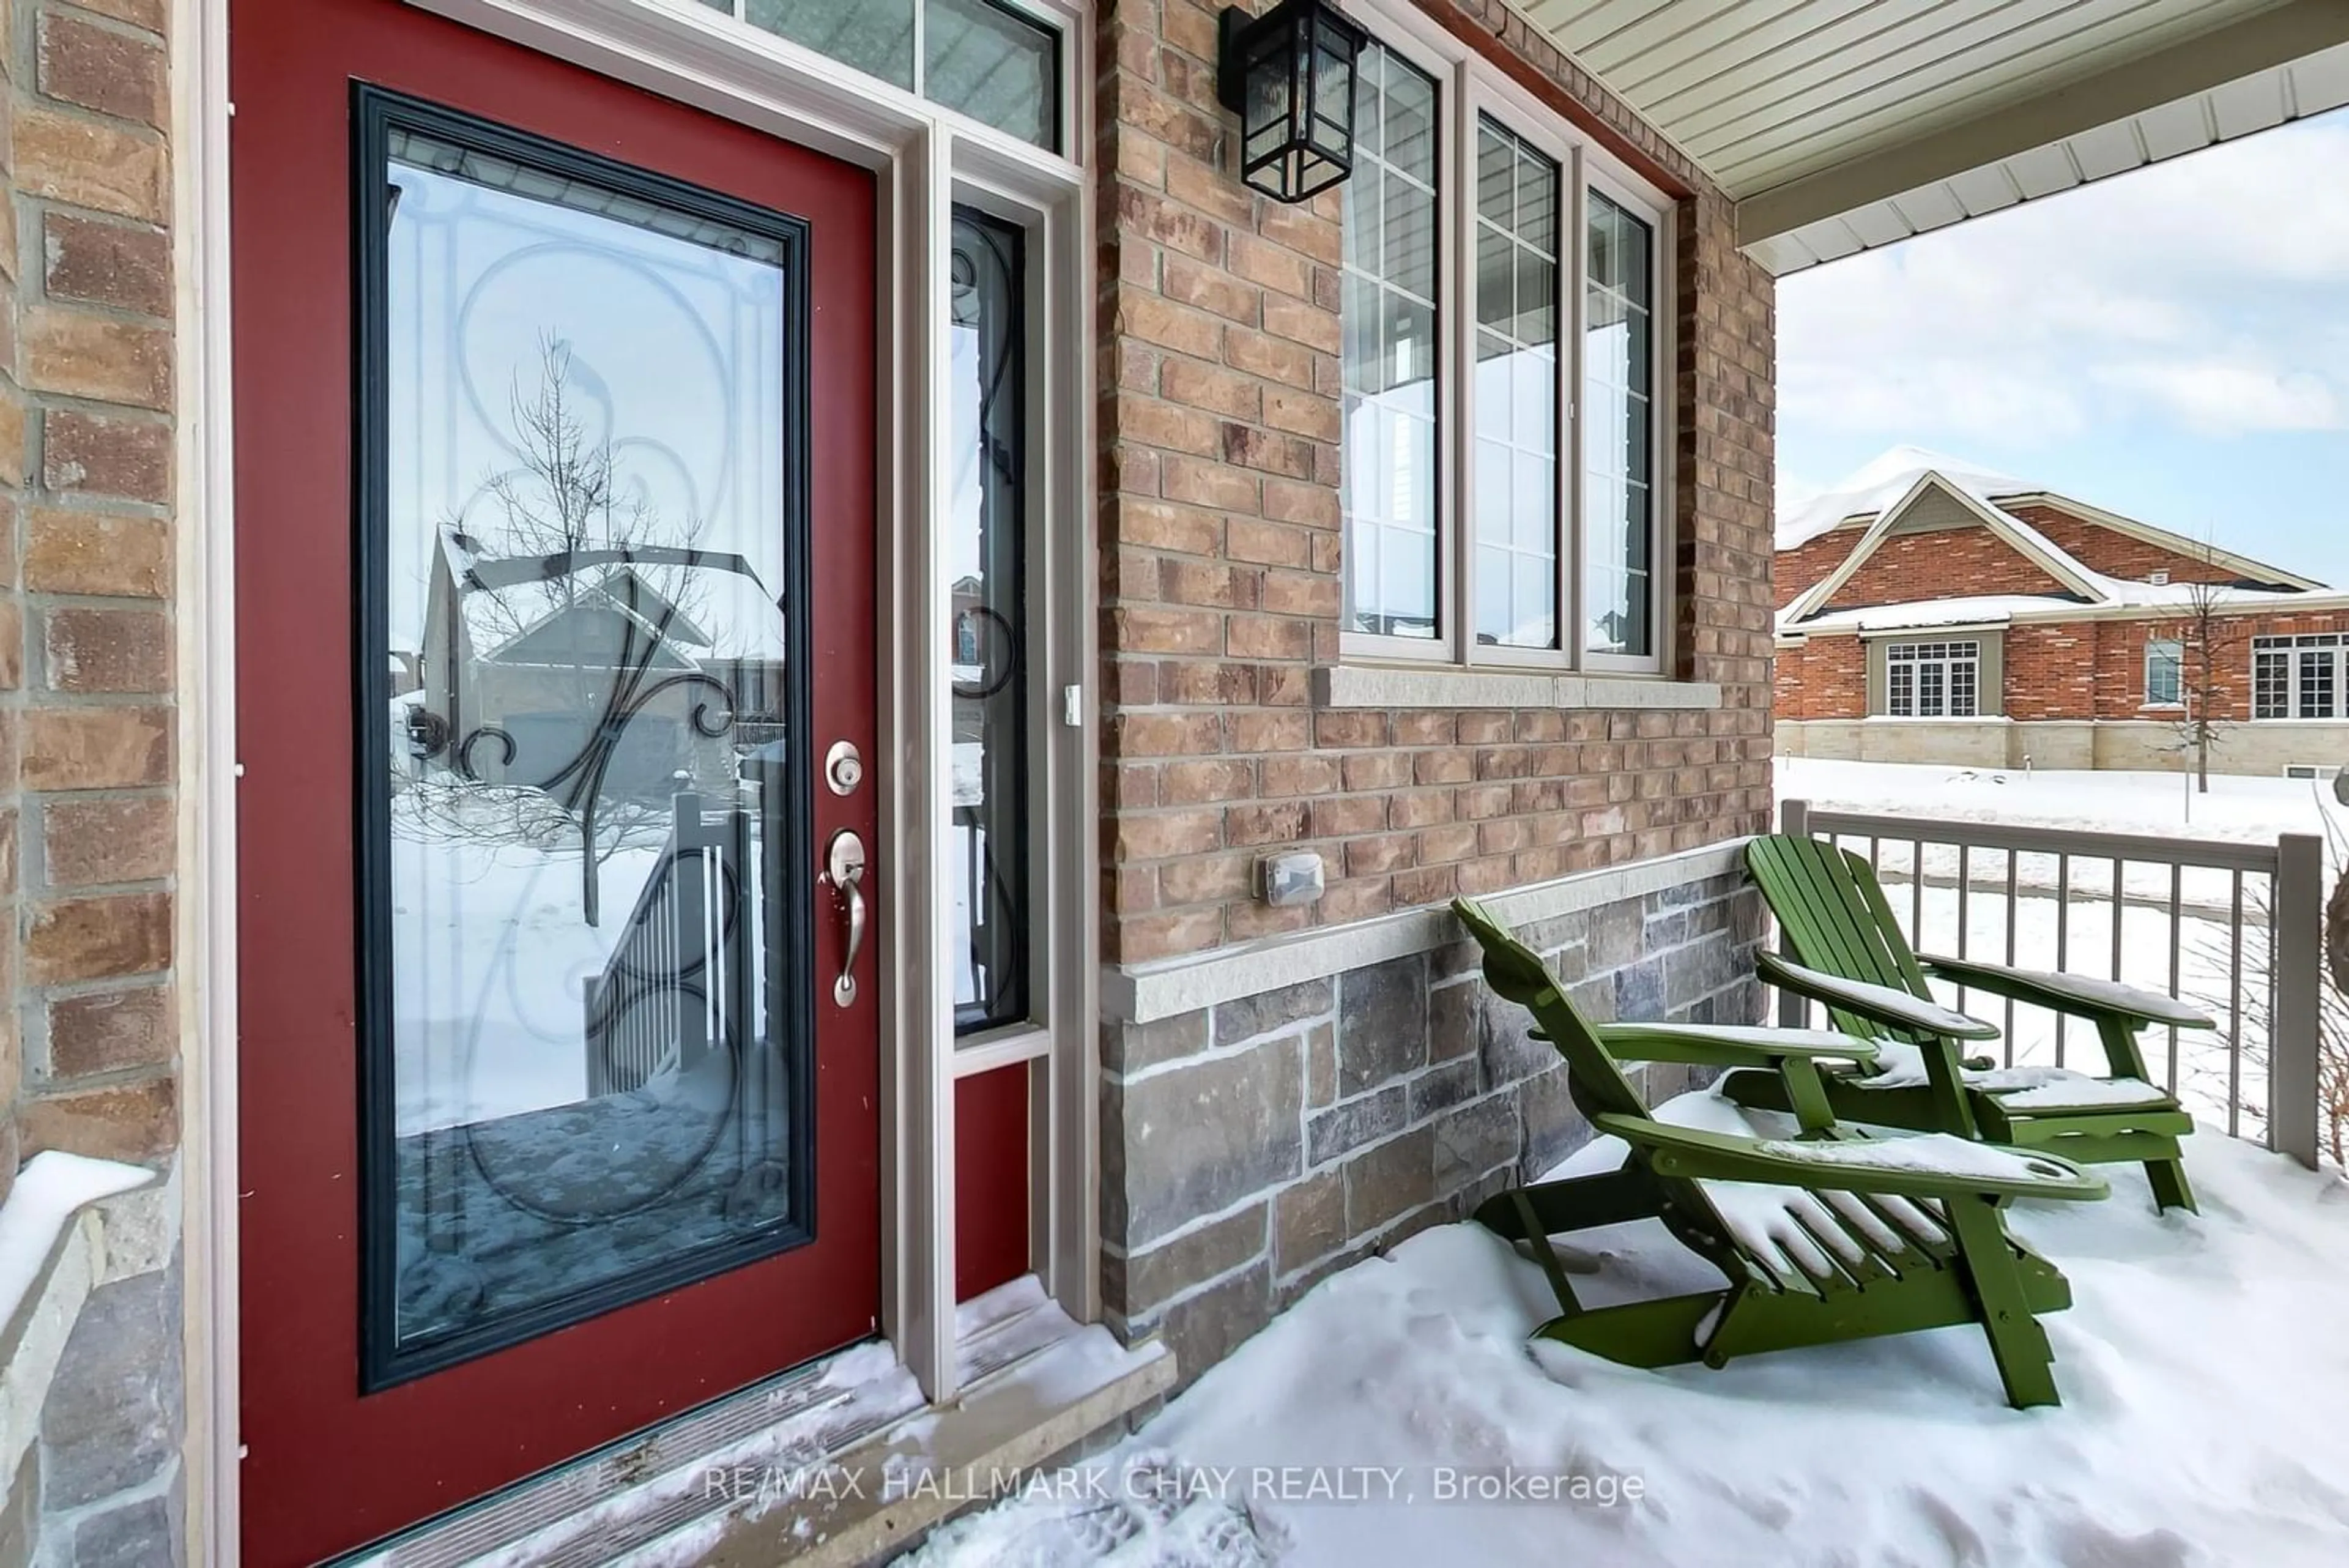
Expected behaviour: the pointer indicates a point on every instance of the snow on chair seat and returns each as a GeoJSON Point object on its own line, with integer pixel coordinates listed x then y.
{"type": "Point", "coordinates": [1940, 1154]}
{"type": "Point", "coordinates": [2042, 1090]}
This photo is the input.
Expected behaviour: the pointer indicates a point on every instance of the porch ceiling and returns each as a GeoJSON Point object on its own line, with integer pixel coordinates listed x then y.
{"type": "Point", "coordinates": [1840, 125]}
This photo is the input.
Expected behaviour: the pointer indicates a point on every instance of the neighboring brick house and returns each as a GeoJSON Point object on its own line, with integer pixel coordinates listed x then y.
{"type": "Point", "coordinates": [1931, 611]}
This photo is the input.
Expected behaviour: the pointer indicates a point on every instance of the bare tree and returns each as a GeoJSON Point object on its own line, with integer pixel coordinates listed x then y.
{"type": "Point", "coordinates": [564, 502]}
{"type": "Point", "coordinates": [2207, 633]}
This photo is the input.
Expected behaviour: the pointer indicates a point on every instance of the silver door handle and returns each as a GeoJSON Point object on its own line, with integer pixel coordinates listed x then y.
{"type": "Point", "coordinates": [843, 867]}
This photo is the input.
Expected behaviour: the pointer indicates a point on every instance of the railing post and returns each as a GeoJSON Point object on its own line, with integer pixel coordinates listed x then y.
{"type": "Point", "coordinates": [2296, 937]}
{"type": "Point", "coordinates": [1794, 822]}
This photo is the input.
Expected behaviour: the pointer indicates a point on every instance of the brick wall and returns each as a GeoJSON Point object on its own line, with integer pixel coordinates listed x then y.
{"type": "Point", "coordinates": [88, 640]}
{"type": "Point", "coordinates": [1823, 677]}
{"type": "Point", "coordinates": [2116, 554]}
{"type": "Point", "coordinates": [1220, 541]}
{"type": "Point", "coordinates": [2231, 676]}
{"type": "Point", "coordinates": [1797, 570]}
{"type": "Point", "coordinates": [88, 1045]}
{"type": "Point", "coordinates": [2051, 671]}
{"type": "Point", "coordinates": [1942, 564]}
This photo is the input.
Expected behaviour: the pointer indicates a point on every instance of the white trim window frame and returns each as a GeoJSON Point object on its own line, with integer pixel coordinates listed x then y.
{"type": "Point", "coordinates": [1471, 94]}
{"type": "Point", "coordinates": [2164, 656]}
{"type": "Point", "coordinates": [1944, 679]}
{"type": "Point", "coordinates": [2303, 674]}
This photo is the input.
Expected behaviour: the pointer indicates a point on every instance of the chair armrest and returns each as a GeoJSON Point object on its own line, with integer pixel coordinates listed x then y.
{"type": "Point", "coordinates": [1729, 1045]}
{"type": "Point", "coordinates": [1937, 1165]}
{"type": "Point", "coordinates": [2083, 996]}
{"type": "Point", "coordinates": [1877, 1003]}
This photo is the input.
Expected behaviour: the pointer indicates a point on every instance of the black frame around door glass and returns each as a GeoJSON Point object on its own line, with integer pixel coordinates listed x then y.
{"type": "Point", "coordinates": [377, 115]}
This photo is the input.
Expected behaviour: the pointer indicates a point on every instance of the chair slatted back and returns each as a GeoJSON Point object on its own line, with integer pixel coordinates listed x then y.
{"type": "Point", "coordinates": [1835, 919]}
{"type": "Point", "coordinates": [1516, 973]}
{"type": "Point", "coordinates": [1596, 1082]}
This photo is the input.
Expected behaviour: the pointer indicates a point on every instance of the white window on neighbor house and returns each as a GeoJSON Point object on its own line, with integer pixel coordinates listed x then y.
{"type": "Point", "coordinates": [1932, 680]}
{"type": "Point", "coordinates": [2298, 677]}
{"type": "Point", "coordinates": [2165, 672]}
{"type": "Point", "coordinates": [1504, 374]}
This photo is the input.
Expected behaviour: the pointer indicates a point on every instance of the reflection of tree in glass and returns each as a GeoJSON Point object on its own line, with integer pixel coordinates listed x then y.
{"type": "Point", "coordinates": [585, 634]}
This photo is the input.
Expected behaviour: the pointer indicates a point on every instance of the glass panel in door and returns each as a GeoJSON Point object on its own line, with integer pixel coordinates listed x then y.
{"type": "Point", "coordinates": [594, 1084]}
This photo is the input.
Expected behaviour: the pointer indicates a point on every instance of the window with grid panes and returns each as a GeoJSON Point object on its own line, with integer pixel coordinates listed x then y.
{"type": "Point", "coordinates": [1494, 294]}
{"type": "Point", "coordinates": [2298, 677]}
{"type": "Point", "coordinates": [1932, 680]}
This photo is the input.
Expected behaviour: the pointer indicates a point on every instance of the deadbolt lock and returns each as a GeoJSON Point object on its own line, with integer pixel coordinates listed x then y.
{"type": "Point", "coordinates": [844, 767]}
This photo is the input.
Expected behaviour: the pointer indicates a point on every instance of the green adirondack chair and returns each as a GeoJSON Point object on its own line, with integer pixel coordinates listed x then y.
{"type": "Point", "coordinates": [1819, 1240]}
{"type": "Point", "coordinates": [1835, 920]}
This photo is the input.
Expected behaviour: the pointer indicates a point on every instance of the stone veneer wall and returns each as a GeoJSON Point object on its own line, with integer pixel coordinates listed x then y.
{"type": "Point", "coordinates": [89, 1040]}
{"type": "Point", "coordinates": [1253, 1149]}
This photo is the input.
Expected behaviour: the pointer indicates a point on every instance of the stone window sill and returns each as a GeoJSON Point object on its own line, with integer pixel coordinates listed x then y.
{"type": "Point", "coordinates": [1411, 686]}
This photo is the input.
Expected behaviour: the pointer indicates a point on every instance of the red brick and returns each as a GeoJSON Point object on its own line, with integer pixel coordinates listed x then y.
{"type": "Point", "coordinates": [90, 649]}
{"type": "Point", "coordinates": [99, 455]}
{"type": "Point", "coordinates": [114, 73]}
{"type": "Point", "coordinates": [137, 1121]}
{"type": "Point", "coordinates": [95, 748]}
{"type": "Point", "coordinates": [114, 840]}
{"type": "Point", "coordinates": [98, 938]}
{"type": "Point", "coordinates": [110, 1030]}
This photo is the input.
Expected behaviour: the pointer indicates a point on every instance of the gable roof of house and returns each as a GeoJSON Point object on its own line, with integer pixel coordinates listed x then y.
{"type": "Point", "coordinates": [1877, 497]}
{"type": "Point", "coordinates": [507, 600]}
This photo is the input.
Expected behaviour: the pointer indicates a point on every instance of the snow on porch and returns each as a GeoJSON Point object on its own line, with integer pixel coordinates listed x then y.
{"type": "Point", "coordinates": [2204, 1370]}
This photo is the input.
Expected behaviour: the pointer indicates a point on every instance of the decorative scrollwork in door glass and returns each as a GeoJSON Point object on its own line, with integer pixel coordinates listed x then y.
{"type": "Point", "coordinates": [594, 1060]}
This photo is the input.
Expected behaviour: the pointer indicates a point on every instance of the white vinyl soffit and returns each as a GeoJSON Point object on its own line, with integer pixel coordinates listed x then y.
{"type": "Point", "coordinates": [1842, 125]}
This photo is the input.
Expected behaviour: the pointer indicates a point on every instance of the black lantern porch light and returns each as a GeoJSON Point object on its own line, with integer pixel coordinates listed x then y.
{"type": "Point", "coordinates": [1290, 76]}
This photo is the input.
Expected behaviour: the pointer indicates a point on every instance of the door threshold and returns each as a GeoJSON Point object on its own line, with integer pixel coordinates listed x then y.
{"type": "Point", "coordinates": [834, 1462]}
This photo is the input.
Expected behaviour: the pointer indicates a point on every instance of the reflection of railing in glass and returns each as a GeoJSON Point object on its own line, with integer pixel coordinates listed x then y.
{"type": "Point", "coordinates": [987, 640]}
{"type": "Point", "coordinates": [681, 967]}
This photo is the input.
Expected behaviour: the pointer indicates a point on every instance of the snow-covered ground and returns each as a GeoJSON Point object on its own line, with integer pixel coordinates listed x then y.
{"type": "Point", "coordinates": [2238, 808]}
{"type": "Point", "coordinates": [1398, 1416]}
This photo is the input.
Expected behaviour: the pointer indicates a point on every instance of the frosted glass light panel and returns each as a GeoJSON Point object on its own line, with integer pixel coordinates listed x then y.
{"type": "Point", "coordinates": [1517, 437]}
{"type": "Point", "coordinates": [990, 61]}
{"type": "Point", "coordinates": [1389, 480]}
{"type": "Point", "coordinates": [1618, 443]}
{"type": "Point", "coordinates": [595, 1060]}
{"type": "Point", "coordinates": [875, 36]}
{"type": "Point", "coordinates": [998, 65]}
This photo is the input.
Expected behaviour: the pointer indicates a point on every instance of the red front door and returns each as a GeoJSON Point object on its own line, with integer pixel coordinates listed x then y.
{"type": "Point", "coordinates": [554, 516]}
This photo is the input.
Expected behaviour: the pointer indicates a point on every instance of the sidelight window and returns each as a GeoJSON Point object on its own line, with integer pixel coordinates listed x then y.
{"type": "Point", "coordinates": [990, 915]}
